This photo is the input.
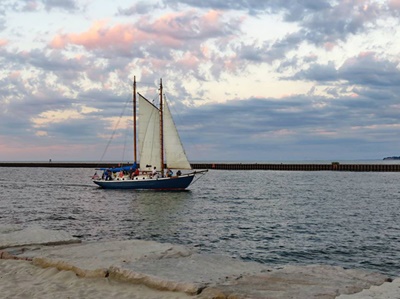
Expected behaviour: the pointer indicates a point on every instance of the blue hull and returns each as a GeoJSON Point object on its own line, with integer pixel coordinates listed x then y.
{"type": "Point", "coordinates": [174, 183]}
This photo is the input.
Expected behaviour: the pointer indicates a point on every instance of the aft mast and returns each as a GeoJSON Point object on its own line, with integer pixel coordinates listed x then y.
{"type": "Point", "coordinates": [134, 120]}
{"type": "Point", "coordinates": [161, 129]}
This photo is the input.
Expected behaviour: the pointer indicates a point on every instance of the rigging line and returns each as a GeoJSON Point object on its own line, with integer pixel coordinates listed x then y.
{"type": "Point", "coordinates": [125, 139]}
{"type": "Point", "coordinates": [115, 130]}
{"type": "Point", "coordinates": [199, 176]}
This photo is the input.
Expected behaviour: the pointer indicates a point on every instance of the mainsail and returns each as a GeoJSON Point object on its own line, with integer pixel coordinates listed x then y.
{"type": "Point", "coordinates": [149, 138]}
{"type": "Point", "coordinates": [149, 134]}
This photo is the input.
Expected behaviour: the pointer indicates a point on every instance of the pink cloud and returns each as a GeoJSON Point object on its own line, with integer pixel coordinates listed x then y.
{"type": "Point", "coordinates": [212, 16]}
{"type": "Point", "coordinates": [177, 29]}
{"type": "Point", "coordinates": [31, 6]}
{"type": "Point", "coordinates": [172, 40]}
{"type": "Point", "coordinates": [394, 4]}
{"type": "Point", "coordinates": [15, 75]}
{"type": "Point", "coordinates": [189, 61]}
{"type": "Point", "coordinates": [329, 46]}
{"type": "Point", "coordinates": [362, 55]}
{"type": "Point", "coordinates": [120, 36]}
{"type": "Point", "coordinates": [3, 42]}
{"type": "Point", "coordinates": [100, 36]}
{"type": "Point", "coordinates": [171, 30]}
{"type": "Point", "coordinates": [367, 54]}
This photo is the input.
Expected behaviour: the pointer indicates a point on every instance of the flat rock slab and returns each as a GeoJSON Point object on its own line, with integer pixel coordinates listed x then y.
{"type": "Point", "coordinates": [95, 259]}
{"type": "Point", "coordinates": [300, 282]}
{"type": "Point", "coordinates": [176, 268]}
{"type": "Point", "coordinates": [15, 236]}
{"type": "Point", "coordinates": [388, 290]}
{"type": "Point", "coordinates": [189, 274]}
{"type": "Point", "coordinates": [158, 265]}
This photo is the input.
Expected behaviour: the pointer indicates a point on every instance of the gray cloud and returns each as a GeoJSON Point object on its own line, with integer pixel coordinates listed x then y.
{"type": "Point", "coordinates": [369, 70]}
{"type": "Point", "coordinates": [320, 22]}
{"type": "Point", "coordinates": [252, 6]}
{"type": "Point", "coordinates": [301, 122]}
{"type": "Point", "coordinates": [364, 70]}
{"type": "Point", "coordinates": [36, 5]}
{"type": "Point", "coordinates": [139, 8]}
{"type": "Point", "coordinates": [68, 5]}
{"type": "Point", "coordinates": [318, 72]}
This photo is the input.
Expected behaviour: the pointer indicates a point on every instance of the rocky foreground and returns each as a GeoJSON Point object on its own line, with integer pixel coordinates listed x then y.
{"type": "Point", "coordinates": [176, 271]}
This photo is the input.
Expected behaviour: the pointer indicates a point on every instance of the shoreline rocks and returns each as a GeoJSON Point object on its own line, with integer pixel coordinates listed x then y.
{"type": "Point", "coordinates": [176, 268]}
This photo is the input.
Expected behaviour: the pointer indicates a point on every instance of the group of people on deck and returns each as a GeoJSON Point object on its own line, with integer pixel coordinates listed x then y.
{"type": "Point", "coordinates": [170, 173]}
{"type": "Point", "coordinates": [109, 175]}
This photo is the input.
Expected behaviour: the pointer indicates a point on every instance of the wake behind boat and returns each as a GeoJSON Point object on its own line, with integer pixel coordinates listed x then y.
{"type": "Point", "coordinates": [159, 146]}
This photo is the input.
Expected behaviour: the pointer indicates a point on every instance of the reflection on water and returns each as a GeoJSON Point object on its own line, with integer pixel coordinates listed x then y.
{"type": "Point", "coordinates": [156, 214]}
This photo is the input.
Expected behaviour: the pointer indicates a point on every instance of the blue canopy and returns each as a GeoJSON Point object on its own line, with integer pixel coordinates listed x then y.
{"type": "Point", "coordinates": [121, 168]}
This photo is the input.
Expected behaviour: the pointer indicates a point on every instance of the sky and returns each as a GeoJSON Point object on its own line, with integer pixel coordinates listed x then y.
{"type": "Point", "coordinates": [246, 80]}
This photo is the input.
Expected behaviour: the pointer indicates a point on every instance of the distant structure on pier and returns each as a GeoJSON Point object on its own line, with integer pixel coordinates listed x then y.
{"type": "Point", "coordinates": [392, 158]}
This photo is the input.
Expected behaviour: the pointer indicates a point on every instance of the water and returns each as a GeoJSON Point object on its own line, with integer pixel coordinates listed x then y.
{"type": "Point", "coordinates": [276, 218]}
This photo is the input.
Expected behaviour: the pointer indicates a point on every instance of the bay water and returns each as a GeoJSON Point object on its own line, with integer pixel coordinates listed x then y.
{"type": "Point", "coordinates": [348, 219]}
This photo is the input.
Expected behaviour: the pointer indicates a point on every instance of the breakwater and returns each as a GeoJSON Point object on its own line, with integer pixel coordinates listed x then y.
{"type": "Point", "coordinates": [229, 166]}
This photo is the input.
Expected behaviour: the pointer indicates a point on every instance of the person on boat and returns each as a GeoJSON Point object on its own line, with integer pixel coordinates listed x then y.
{"type": "Point", "coordinates": [178, 173]}
{"type": "Point", "coordinates": [154, 173]}
{"type": "Point", "coordinates": [170, 173]}
{"type": "Point", "coordinates": [135, 173]}
{"type": "Point", "coordinates": [106, 175]}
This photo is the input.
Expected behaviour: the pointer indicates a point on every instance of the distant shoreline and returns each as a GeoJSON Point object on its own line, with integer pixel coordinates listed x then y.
{"type": "Point", "coordinates": [332, 166]}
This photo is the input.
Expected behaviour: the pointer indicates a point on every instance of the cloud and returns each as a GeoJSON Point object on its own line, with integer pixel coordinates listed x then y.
{"type": "Point", "coordinates": [394, 4]}
{"type": "Point", "coordinates": [98, 36]}
{"type": "Point", "coordinates": [368, 70]}
{"type": "Point", "coordinates": [318, 72]}
{"type": "Point", "coordinates": [365, 69]}
{"type": "Point", "coordinates": [320, 23]}
{"type": "Point", "coordinates": [31, 6]}
{"type": "Point", "coordinates": [298, 122]}
{"type": "Point", "coordinates": [3, 42]}
{"type": "Point", "coordinates": [192, 26]}
{"type": "Point", "coordinates": [139, 8]}
{"type": "Point", "coordinates": [68, 5]}
{"type": "Point", "coordinates": [252, 6]}
{"type": "Point", "coordinates": [171, 31]}
{"type": "Point", "coordinates": [155, 44]}
{"type": "Point", "coordinates": [48, 5]}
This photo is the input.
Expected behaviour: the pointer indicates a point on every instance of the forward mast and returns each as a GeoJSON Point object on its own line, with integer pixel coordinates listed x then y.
{"type": "Point", "coordinates": [161, 129]}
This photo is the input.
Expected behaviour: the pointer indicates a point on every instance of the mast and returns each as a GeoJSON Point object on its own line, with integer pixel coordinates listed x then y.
{"type": "Point", "coordinates": [134, 120]}
{"type": "Point", "coordinates": [161, 129]}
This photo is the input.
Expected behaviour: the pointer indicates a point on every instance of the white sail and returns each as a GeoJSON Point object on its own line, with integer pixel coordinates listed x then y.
{"type": "Point", "coordinates": [149, 134]}
{"type": "Point", "coordinates": [174, 152]}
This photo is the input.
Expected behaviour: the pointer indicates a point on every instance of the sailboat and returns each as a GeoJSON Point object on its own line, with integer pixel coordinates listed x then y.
{"type": "Point", "coordinates": [159, 146]}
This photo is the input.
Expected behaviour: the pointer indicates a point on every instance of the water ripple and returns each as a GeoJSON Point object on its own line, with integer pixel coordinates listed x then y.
{"type": "Point", "coordinates": [276, 218]}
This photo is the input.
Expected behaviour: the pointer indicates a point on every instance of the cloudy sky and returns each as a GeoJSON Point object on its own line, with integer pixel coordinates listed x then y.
{"type": "Point", "coordinates": [247, 80]}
